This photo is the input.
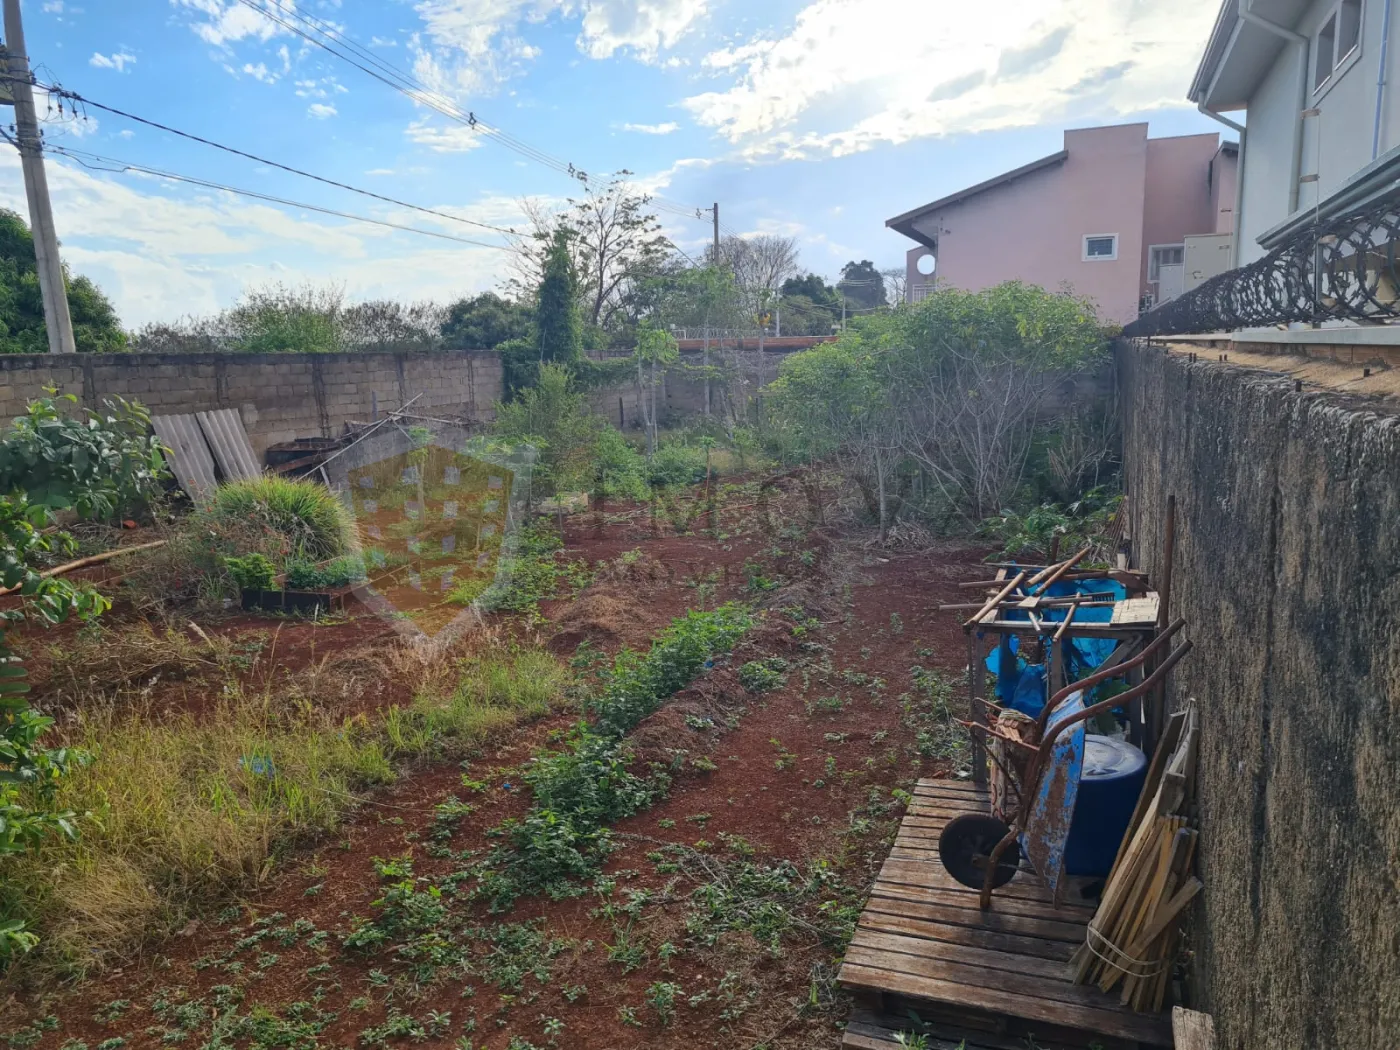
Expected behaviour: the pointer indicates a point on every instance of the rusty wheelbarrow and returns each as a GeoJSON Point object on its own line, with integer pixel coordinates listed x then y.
{"type": "Point", "coordinates": [984, 852]}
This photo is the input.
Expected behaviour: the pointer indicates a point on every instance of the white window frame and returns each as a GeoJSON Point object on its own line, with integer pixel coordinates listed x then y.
{"type": "Point", "coordinates": [1340, 63]}
{"type": "Point", "coordinates": [1152, 250]}
{"type": "Point", "coordinates": [1084, 248]}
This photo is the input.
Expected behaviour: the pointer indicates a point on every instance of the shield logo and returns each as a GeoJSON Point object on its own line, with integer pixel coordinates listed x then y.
{"type": "Point", "coordinates": [435, 511]}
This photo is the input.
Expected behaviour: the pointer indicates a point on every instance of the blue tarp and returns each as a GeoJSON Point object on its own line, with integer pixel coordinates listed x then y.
{"type": "Point", "coordinates": [1021, 685]}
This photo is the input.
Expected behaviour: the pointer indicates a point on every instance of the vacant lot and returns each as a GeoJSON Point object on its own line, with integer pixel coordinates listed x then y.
{"type": "Point", "coordinates": [395, 863]}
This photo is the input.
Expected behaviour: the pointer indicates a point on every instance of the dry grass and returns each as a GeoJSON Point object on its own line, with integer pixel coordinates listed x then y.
{"type": "Point", "coordinates": [185, 809]}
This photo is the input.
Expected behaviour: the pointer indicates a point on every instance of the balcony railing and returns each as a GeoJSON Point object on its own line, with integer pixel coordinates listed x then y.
{"type": "Point", "coordinates": [1339, 268]}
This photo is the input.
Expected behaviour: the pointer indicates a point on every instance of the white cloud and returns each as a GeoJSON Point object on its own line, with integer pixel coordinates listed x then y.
{"type": "Point", "coordinates": [320, 110]}
{"type": "Point", "coordinates": [53, 7]}
{"type": "Point", "coordinates": [934, 69]}
{"type": "Point", "coordinates": [126, 133]}
{"type": "Point", "coordinates": [161, 251]}
{"type": "Point", "coordinates": [381, 171]}
{"type": "Point", "coordinates": [443, 138]}
{"type": "Point", "coordinates": [472, 46]}
{"type": "Point", "coordinates": [118, 60]}
{"type": "Point", "coordinates": [653, 129]}
{"type": "Point", "coordinates": [229, 22]}
{"type": "Point", "coordinates": [379, 41]}
{"type": "Point", "coordinates": [325, 87]}
{"type": "Point", "coordinates": [260, 72]}
{"type": "Point", "coordinates": [643, 26]}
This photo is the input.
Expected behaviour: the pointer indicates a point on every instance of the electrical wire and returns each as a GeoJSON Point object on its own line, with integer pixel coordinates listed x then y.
{"type": "Point", "coordinates": [97, 162]}
{"type": "Point", "coordinates": [73, 96]}
{"type": "Point", "coordinates": [331, 39]}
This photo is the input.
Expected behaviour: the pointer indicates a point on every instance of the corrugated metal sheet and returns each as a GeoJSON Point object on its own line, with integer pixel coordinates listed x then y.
{"type": "Point", "coordinates": [229, 442]}
{"type": "Point", "coordinates": [187, 453]}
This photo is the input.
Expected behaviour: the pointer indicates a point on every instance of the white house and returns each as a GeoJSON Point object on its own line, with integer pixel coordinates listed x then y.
{"type": "Point", "coordinates": [1314, 81]}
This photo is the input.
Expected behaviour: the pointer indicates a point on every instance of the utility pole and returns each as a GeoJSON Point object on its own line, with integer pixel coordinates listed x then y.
{"type": "Point", "coordinates": [715, 212]}
{"type": "Point", "coordinates": [36, 188]}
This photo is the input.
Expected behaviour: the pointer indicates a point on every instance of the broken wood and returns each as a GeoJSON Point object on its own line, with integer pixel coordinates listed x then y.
{"type": "Point", "coordinates": [82, 563]}
{"type": "Point", "coordinates": [993, 602]}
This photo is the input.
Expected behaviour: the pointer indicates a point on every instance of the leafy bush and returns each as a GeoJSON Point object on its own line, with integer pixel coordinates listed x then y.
{"type": "Point", "coordinates": [1033, 532]}
{"type": "Point", "coordinates": [761, 676]}
{"type": "Point", "coordinates": [97, 465]}
{"type": "Point", "coordinates": [580, 789]}
{"type": "Point", "coordinates": [639, 683]}
{"type": "Point", "coordinates": [676, 464]}
{"type": "Point", "coordinates": [253, 572]}
{"type": "Point", "coordinates": [310, 517]}
{"type": "Point", "coordinates": [304, 575]}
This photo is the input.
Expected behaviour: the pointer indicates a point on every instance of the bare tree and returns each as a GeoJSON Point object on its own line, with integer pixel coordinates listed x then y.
{"type": "Point", "coordinates": [760, 265]}
{"type": "Point", "coordinates": [613, 237]}
{"type": "Point", "coordinates": [896, 284]}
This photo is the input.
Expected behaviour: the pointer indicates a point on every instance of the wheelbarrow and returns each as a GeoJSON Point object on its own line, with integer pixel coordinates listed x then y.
{"type": "Point", "coordinates": [982, 851]}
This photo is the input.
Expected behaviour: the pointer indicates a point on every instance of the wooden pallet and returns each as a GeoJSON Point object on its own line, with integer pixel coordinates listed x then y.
{"type": "Point", "coordinates": [923, 938]}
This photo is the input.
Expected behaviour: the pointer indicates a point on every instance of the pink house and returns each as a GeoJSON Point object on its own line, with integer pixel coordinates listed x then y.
{"type": "Point", "coordinates": [1126, 220]}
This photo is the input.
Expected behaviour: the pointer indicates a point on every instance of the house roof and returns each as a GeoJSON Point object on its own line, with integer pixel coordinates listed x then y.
{"type": "Point", "coordinates": [904, 223]}
{"type": "Point", "coordinates": [1240, 53]}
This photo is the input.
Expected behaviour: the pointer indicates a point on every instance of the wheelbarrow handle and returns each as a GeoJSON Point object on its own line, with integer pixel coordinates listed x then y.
{"type": "Point", "coordinates": [1104, 673]}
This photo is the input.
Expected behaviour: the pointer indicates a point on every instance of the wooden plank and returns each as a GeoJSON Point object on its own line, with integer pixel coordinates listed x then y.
{"type": "Point", "coordinates": [962, 897]}
{"type": "Point", "coordinates": [974, 918]}
{"type": "Point", "coordinates": [950, 787]}
{"type": "Point", "coordinates": [1193, 1030]}
{"type": "Point", "coordinates": [1123, 1024]}
{"type": "Point", "coordinates": [901, 944]}
{"type": "Point", "coordinates": [974, 937]}
{"type": "Point", "coordinates": [921, 873]}
{"type": "Point", "coordinates": [1012, 983]}
{"type": "Point", "coordinates": [868, 1031]}
{"type": "Point", "coordinates": [938, 878]}
{"type": "Point", "coordinates": [1135, 611]}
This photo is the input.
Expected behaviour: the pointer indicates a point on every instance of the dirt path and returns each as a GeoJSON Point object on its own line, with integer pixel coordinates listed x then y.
{"type": "Point", "coordinates": [780, 811]}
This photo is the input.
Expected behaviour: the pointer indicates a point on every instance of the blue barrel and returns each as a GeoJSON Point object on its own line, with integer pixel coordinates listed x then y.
{"type": "Point", "coordinates": [1114, 772]}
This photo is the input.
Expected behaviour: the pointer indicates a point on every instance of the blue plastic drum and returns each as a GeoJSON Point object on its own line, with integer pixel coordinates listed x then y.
{"type": "Point", "coordinates": [1114, 772]}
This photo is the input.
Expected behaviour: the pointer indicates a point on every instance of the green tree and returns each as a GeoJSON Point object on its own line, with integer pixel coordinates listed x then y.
{"type": "Point", "coordinates": [279, 318]}
{"type": "Point", "coordinates": [956, 387]}
{"type": "Point", "coordinates": [810, 306]}
{"type": "Point", "coordinates": [558, 335]}
{"type": "Point", "coordinates": [22, 331]}
{"type": "Point", "coordinates": [552, 414]}
{"type": "Point", "coordinates": [862, 285]}
{"type": "Point", "coordinates": [656, 349]}
{"type": "Point", "coordinates": [484, 322]}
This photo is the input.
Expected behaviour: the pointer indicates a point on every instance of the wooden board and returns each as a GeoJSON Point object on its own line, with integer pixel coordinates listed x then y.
{"type": "Point", "coordinates": [923, 937]}
{"type": "Point", "coordinates": [1135, 612]}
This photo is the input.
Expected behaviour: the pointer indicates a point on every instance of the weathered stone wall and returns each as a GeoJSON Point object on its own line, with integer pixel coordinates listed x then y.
{"type": "Point", "coordinates": [1288, 571]}
{"type": "Point", "coordinates": [279, 396]}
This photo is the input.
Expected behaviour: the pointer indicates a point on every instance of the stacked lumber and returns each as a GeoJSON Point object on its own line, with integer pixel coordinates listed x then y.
{"type": "Point", "coordinates": [1133, 937]}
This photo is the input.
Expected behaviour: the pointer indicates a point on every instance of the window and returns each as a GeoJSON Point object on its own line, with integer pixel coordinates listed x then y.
{"type": "Point", "coordinates": [1100, 247]}
{"type": "Point", "coordinates": [1336, 43]}
{"type": "Point", "coordinates": [1164, 255]}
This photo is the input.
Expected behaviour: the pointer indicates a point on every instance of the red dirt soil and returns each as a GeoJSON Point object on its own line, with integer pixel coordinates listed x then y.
{"type": "Point", "coordinates": [788, 777]}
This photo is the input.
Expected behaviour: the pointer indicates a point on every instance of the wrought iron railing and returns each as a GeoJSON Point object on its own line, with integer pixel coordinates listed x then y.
{"type": "Point", "coordinates": [1341, 268]}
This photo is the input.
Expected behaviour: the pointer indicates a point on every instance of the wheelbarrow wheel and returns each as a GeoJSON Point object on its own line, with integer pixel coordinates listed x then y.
{"type": "Point", "coordinates": [966, 845]}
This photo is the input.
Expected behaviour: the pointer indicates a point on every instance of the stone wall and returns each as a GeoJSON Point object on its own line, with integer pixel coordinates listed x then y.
{"type": "Point", "coordinates": [1288, 571]}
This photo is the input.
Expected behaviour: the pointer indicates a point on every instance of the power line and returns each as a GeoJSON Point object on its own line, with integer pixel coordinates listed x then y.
{"type": "Point", "coordinates": [73, 96]}
{"type": "Point", "coordinates": [96, 162]}
{"type": "Point", "coordinates": [332, 40]}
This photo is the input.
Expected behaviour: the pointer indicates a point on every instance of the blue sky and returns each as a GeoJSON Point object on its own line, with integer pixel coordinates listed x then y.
{"type": "Point", "coordinates": [815, 119]}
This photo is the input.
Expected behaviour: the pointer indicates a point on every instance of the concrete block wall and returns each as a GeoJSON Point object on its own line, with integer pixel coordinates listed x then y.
{"type": "Point", "coordinates": [278, 396]}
